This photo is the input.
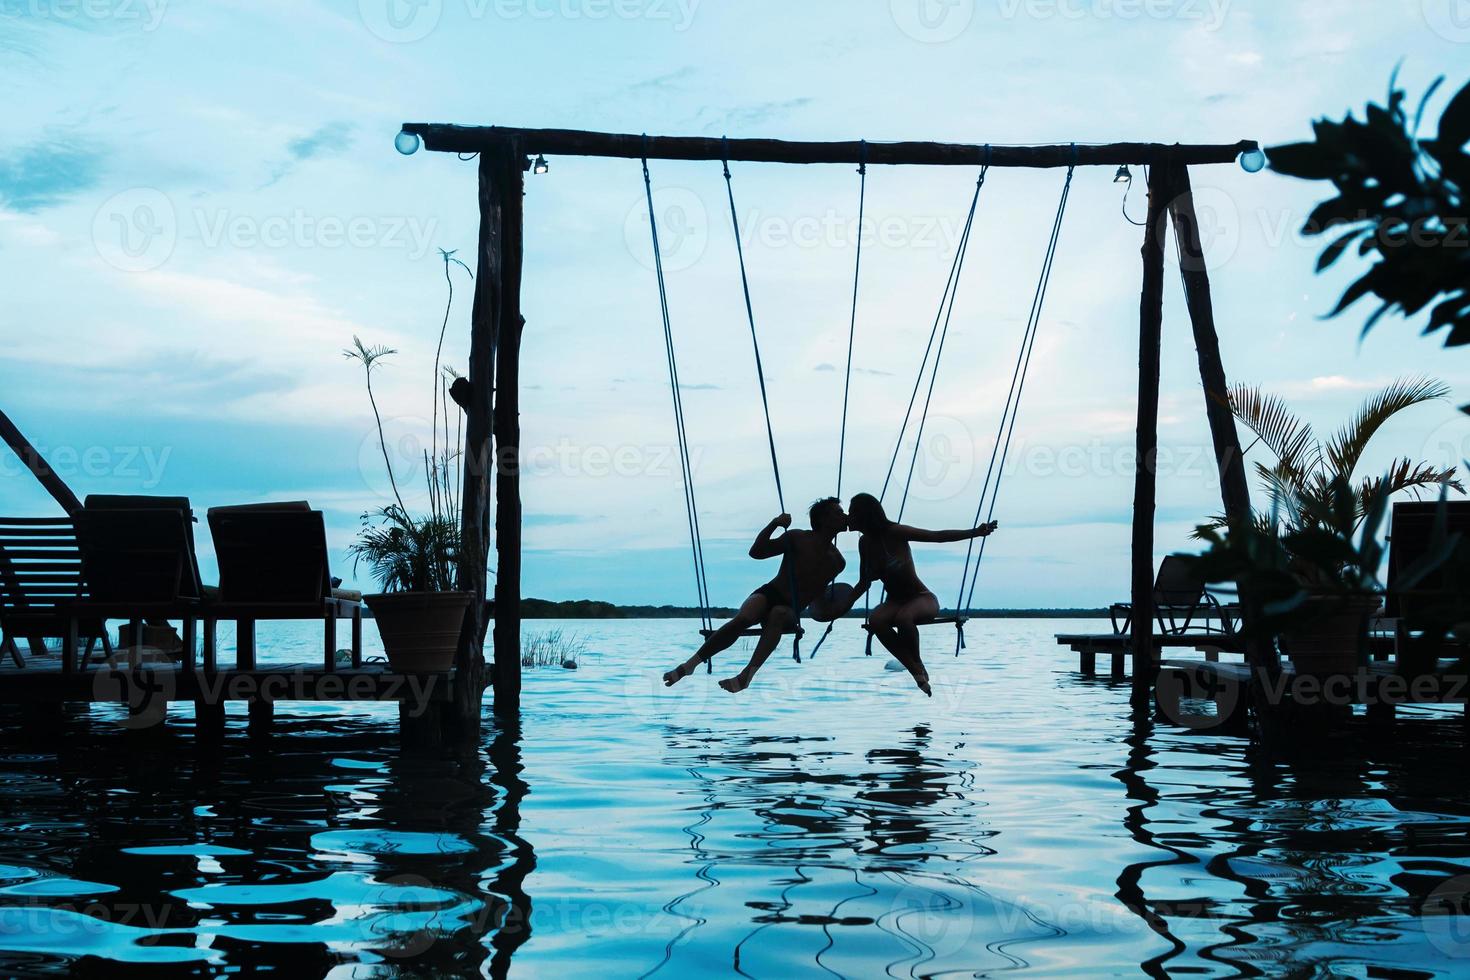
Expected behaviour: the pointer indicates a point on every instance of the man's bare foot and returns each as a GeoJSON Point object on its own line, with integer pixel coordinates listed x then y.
{"type": "Point", "coordinates": [735, 684]}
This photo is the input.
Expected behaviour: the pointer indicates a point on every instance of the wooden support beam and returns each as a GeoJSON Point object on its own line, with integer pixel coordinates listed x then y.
{"type": "Point", "coordinates": [1150, 336]}
{"type": "Point", "coordinates": [570, 142]}
{"type": "Point", "coordinates": [39, 468]}
{"type": "Point", "coordinates": [507, 668]}
{"type": "Point", "coordinates": [1229, 460]}
{"type": "Point", "coordinates": [490, 447]}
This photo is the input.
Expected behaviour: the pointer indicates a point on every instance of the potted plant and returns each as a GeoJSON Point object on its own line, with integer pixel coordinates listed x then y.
{"type": "Point", "coordinates": [415, 559]}
{"type": "Point", "coordinates": [1315, 558]}
{"type": "Point", "coordinates": [1310, 572]}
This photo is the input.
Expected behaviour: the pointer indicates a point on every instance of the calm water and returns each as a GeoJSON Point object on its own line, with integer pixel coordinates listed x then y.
{"type": "Point", "coordinates": [829, 822]}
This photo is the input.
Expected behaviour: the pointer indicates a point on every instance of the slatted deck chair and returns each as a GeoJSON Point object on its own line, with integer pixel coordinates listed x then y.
{"type": "Point", "coordinates": [139, 566]}
{"type": "Point", "coordinates": [1410, 538]}
{"type": "Point", "coordinates": [1181, 603]}
{"type": "Point", "coordinates": [273, 565]}
{"type": "Point", "coordinates": [41, 569]}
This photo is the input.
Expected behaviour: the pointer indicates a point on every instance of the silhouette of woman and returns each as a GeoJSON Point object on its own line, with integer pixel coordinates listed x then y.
{"type": "Point", "coordinates": [884, 556]}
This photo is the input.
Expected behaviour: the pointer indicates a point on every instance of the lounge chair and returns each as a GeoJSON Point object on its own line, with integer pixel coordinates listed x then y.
{"type": "Point", "coordinates": [1180, 598]}
{"type": "Point", "coordinates": [139, 565]}
{"type": "Point", "coordinates": [40, 570]}
{"type": "Point", "coordinates": [1410, 537]}
{"type": "Point", "coordinates": [273, 565]}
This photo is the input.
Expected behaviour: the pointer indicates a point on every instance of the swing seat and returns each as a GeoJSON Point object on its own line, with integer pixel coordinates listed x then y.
{"type": "Point", "coordinates": [936, 621]}
{"type": "Point", "coordinates": [757, 633]}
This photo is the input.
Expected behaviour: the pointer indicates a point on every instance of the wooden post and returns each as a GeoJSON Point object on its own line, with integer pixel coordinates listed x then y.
{"type": "Point", "coordinates": [507, 669]}
{"type": "Point", "coordinates": [1234, 488]}
{"type": "Point", "coordinates": [494, 324]}
{"type": "Point", "coordinates": [1150, 333]}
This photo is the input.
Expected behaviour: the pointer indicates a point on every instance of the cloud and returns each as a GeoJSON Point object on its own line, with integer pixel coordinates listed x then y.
{"type": "Point", "coordinates": [667, 82]}
{"type": "Point", "coordinates": [755, 115]}
{"type": "Point", "coordinates": [1327, 385]}
{"type": "Point", "coordinates": [324, 141]}
{"type": "Point", "coordinates": [47, 172]}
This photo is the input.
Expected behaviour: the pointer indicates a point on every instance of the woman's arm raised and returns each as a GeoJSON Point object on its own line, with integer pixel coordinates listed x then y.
{"type": "Point", "coordinates": [942, 537]}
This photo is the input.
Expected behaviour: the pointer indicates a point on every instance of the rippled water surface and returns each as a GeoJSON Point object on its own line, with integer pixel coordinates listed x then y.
{"type": "Point", "coordinates": [831, 821]}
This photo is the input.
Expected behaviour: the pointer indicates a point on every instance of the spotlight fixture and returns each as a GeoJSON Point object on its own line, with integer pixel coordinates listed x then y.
{"type": "Point", "coordinates": [540, 166]}
{"type": "Point", "coordinates": [1122, 176]}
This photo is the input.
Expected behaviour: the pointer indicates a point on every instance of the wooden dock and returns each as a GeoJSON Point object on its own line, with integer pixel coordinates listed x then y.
{"type": "Point", "coordinates": [1119, 647]}
{"type": "Point", "coordinates": [147, 689]}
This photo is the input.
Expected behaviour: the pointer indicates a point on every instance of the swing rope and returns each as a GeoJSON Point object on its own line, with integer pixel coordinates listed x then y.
{"type": "Point", "coordinates": [760, 374]}
{"type": "Point", "coordinates": [857, 270]}
{"type": "Point", "coordinates": [1012, 409]}
{"type": "Point", "coordinates": [960, 256]}
{"type": "Point", "coordinates": [691, 511]}
{"type": "Point", "coordinates": [941, 320]}
{"type": "Point", "coordinates": [950, 283]}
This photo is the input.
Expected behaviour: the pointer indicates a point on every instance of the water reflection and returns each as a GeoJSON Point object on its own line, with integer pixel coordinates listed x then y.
{"type": "Point", "coordinates": [328, 850]}
{"type": "Point", "coordinates": [826, 823]}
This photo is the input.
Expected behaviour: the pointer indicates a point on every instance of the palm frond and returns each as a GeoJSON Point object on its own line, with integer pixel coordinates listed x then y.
{"type": "Point", "coordinates": [1345, 448]}
{"type": "Point", "coordinates": [367, 355]}
{"type": "Point", "coordinates": [1284, 432]}
{"type": "Point", "coordinates": [1406, 475]}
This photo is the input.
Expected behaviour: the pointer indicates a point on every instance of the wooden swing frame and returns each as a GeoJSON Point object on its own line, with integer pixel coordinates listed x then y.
{"type": "Point", "coordinates": [492, 431]}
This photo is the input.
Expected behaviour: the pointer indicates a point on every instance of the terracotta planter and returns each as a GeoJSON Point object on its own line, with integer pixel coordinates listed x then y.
{"type": "Point", "coordinates": [1336, 639]}
{"type": "Point", "coordinates": [420, 630]}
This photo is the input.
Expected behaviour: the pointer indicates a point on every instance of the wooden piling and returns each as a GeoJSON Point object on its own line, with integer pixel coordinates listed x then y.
{"type": "Point", "coordinates": [491, 446]}
{"type": "Point", "coordinates": [1229, 460]}
{"type": "Point", "coordinates": [1150, 335]}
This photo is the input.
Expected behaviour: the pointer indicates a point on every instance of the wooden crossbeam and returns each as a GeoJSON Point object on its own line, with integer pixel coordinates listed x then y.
{"type": "Point", "coordinates": [448, 138]}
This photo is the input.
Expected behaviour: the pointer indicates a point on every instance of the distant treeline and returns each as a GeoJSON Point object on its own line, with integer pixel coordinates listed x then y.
{"type": "Point", "coordinates": [593, 609]}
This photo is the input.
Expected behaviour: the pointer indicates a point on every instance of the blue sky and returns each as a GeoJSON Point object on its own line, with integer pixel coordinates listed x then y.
{"type": "Point", "coordinates": [200, 205]}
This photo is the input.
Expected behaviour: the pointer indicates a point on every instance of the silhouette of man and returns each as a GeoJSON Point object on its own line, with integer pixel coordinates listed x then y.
{"type": "Point", "coordinates": [809, 560]}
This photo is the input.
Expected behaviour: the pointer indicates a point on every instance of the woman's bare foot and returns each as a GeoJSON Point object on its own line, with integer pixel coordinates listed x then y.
{"type": "Point", "coordinates": [922, 680]}
{"type": "Point", "coordinates": [672, 677]}
{"type": "Point", "coordinates": [735, 684]}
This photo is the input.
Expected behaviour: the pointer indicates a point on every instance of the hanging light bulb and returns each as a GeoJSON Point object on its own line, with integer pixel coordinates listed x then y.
{"type": "Point", "coordinates": [1122, 176]}
{"type": "Point", "coordinates": [1253, 161]}
{"type": "Point", "coordinates": [540, 166]}
{"type": "Point", "coordinates": [406, 143]}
